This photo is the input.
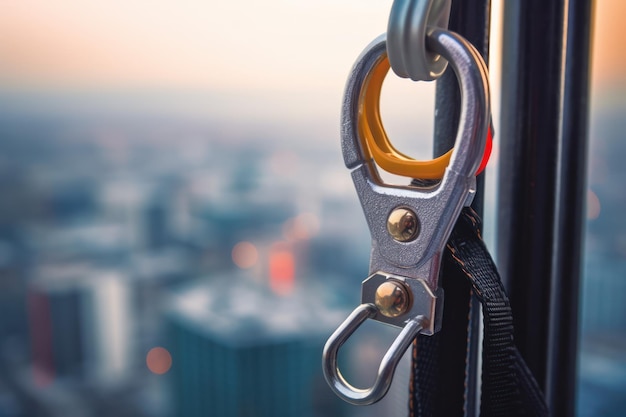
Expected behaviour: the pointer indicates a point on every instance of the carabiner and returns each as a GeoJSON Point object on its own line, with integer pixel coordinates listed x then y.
{"type": "Point", "coordinates": [409, 225]}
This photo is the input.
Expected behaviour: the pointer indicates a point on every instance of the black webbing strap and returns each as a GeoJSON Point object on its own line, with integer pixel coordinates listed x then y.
{"type": "Point", "coordinates": [508, 388]}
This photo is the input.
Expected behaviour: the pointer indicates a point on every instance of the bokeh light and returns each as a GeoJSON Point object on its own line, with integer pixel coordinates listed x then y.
{"type": "Point", "coordinates": [159, 360]}
{"type": "Point", "coordinates": [302, 227]}
{"type": "Point", "coordinates": [245, 255]}
{"type": "Point", "coordinates": [593, 205]}
{"type": "Point", "coordinates": [282, 267]}
{"type": "Point", "coordinates": [284, 162]}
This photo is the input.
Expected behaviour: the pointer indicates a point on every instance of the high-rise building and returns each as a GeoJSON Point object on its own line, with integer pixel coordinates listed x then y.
{"type": "Point", "coordinates": [239, 349]}
{"type": "Point", "coordinates": [79, 322]}
{"type": "Point", "coordinates": [602, 312]}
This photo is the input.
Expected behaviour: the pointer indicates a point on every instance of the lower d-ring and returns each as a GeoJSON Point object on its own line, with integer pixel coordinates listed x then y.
{"type": "Point", "coordinates": [337, 382]}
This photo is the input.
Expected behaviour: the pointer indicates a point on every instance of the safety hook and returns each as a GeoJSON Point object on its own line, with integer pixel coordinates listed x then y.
{"type": "Point", "coordinates": [409, 225]}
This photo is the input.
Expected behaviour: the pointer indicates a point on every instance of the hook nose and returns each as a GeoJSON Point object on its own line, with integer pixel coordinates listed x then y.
{"type": "Point", "coordinates": [337, 382]}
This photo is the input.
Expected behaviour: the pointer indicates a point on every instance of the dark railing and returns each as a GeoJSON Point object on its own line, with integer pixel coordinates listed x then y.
{"type": "Point", "coordinates": [470, 18]}
{"type": "Point", "coordinates": [541, 188]}
{"type": "Point", "coordinates": [543, 145]}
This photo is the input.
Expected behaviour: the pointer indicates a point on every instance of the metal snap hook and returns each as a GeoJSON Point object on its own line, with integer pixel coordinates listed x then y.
{"type": "Point", "coordinates": [410, 21]}
{"type": "Point", "coordinates": [407, 250]}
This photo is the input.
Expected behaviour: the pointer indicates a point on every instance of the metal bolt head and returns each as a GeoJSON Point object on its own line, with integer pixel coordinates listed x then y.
{"type": "Point", "coordinates": [402, 225]}
{"type": "Point", "coordinates": [392, 298]}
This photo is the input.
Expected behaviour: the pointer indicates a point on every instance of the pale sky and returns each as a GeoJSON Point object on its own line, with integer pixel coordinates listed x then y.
{"type": "Point", "coordinates": [268, 45]}
{"type": "Point", "coordinates": [273, 44]}
{"type": "Point", "coordinates": [294, 52]}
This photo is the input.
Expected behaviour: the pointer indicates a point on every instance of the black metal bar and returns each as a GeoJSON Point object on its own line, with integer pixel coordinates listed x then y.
{"type": "Point", "coordinates": [541, 186]}
{"type": "Point", "coordinates": [563, 342]}
{"type": "Point", "coordinates": [529, 130]}
{"type": "Point", "coordinates": [470, 18]}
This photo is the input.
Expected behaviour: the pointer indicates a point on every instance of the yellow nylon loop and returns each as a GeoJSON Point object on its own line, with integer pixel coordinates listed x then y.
{"type": "Point", "coordinates": [377, 143]}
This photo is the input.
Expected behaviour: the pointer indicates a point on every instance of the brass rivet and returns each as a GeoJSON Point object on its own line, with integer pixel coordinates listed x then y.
{"type": "Point", "coordinates": [403, 225]}
{"type": "Point", "coordinates": [392, 299]}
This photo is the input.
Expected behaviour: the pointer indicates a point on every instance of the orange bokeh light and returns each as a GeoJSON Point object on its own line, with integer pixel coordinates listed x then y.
{"type": "Point", "coordinates": [245, 255]}
{"type": "Point", "coordinates": [593, 205]}
{"type": "Point", "coordinates": [159, 360]}
{"type": "Point", "coordinates": [284, 163]}
{"type": "Point", "coordinates": [302, 227]}
{"type": "Point", "coordinates": [282, 267]}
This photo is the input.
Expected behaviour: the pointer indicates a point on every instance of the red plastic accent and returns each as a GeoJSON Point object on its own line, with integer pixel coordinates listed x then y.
{"type": "Point", "coordinates": [487, 154]}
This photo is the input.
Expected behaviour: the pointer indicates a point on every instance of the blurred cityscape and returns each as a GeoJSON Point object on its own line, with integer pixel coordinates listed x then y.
{"type": "Point", "coordinates": [159, 267]}
{"type": "Point", "coordinates": [602, 365]}
{"type": "Point", "coordinates": [154, 266]}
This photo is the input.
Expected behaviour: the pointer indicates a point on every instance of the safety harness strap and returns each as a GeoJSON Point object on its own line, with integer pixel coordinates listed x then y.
{"type": "Point", "coordinates": [508, 387]}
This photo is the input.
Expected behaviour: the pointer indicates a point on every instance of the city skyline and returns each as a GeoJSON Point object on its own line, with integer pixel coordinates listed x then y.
{"type": "Point", "coordinates": [150, 147]}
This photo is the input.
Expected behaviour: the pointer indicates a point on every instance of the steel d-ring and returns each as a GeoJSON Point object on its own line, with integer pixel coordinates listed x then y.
{"type": "Point", "coordinates": [388, 364]}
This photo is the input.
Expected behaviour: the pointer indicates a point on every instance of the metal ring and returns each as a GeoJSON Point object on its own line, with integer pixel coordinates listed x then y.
{"type": "Point", "coordinates": [410, 21]}
{"type": "Point", "coordinates": [337, 382]}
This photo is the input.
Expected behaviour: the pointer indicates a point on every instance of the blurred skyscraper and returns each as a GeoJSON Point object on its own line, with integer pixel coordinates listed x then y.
{"type": "Point", "coordinates": [81, 325]}
{"type": "Point", "coordinates": [240, 349]}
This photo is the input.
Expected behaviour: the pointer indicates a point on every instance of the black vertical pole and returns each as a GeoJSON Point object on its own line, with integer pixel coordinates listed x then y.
{"type": "Point", "coordinates": [564, 297]}
{"type": "Point", "coordinates": [542, 166]}
{"type": "Point", "coordinates": [529, 129]}
{"type": "Point", "coordinates": [471, 19]}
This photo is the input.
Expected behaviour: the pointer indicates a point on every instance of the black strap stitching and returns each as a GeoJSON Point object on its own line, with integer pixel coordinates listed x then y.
{"type": "Point", "coordinates": [508, 387]}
